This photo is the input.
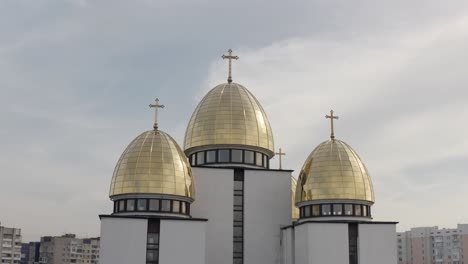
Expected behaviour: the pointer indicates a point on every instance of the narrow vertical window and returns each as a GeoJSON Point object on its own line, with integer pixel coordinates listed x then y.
{"type": "Point", "coordinates": [200, 158]}
{"type": "Point", "coordinates": [258, 159]}
{"type": "Point", "coordinates": [315, 210]}
{"type": "Point", "coordinates": [249, 157]}
{"type": "Point", "coordinates": [353, 234]}
{"type": "Point", "coordinates": [307, 211]}
{"type": "Point", "coordinates": [211, 156]}
{"type": "Point", "coordinates": [154, 205]}
{"type": "Point", "coordinates": [348, 209]}
{"type": "Point", "coordinates": [238, 221]}
{"type": "Point", "coordinates": [141, 205]}
{"type": "Point", "coordinates": [237, 155]}
{"type": "Point", "coordinates": [175, 206]}
{"type": "Point", "coordinates": [326, 209]}
{"type": "Point", "coordinates": [166, 205]}
{"type": "Point", "coordinates": [130, 205]}
{"type": "Point", "coordinates": [182, 208]}
{"type": "Point", "coordinates": [357, 210]}
{"type": "Point", "coordinates": [152, 242]}
{"type": "Point", "coordinates": [223, 155]}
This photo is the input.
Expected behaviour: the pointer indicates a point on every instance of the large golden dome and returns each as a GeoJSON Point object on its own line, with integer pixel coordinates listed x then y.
{"type": "Point", "coordinates": [153, 163]}
{"type": "Point", "coordinates": [229, 116]}
{"type": "Point", "coordinates": [334, 171]}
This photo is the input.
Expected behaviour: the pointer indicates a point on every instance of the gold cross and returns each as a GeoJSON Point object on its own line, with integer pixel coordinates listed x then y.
{"type": "Point", "coordinates": [331, 116]}
{"type": "Point", "coordinates": [230, 57]}
{"type": "Point", "coordinates": [280, 154]}
{"type": "Point", "coordinates": [156, 106]}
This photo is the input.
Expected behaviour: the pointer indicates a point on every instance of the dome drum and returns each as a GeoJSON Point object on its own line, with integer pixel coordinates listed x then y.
{"type": "Point", "coordinates": [229, 157]}
{"type": "Point", "coordinates": [335, 209]}
{"type": "Point", "coordinates": [142, 205]}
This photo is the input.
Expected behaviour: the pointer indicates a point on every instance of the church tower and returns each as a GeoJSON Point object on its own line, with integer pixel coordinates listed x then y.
{"type": "Point", "coordinates": [229, 142]}
{"type": "Point", "coordinates": [334, 195]}
{"type": "Point", "coordinates": [152, 189]}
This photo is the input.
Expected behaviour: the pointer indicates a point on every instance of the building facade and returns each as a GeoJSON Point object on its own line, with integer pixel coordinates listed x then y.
{"type": "Point", "coordinates": [431, 245]}
{"type": "Point", "coordinates": [30, 253]}
{"type": "Point", "coordinates": [10, 245]}
{"type": "Point", "coordinates": [67, 249]}
{"type": "Point", "coordinates": [218, 199]}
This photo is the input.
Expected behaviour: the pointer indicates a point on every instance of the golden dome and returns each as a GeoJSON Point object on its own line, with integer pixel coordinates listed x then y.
{"type": "Point", "coordinates": [295, 210]}
{"type": "Point", "coordinates": [334, 171]}
{"type": "Point", "coordinates": [153, 163]}
{"type": "Point", "coordinates": [229, 115]}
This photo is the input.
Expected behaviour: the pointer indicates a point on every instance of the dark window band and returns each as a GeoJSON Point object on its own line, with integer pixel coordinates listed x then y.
{"type": "Point", "coordinates": [230, 156]}
{"type": "Point", "coordinates": [335, 210]}
{"type": "Point", "coordinates": [238, 221]}
{"type": "Point", "coordinates": [152, 205]}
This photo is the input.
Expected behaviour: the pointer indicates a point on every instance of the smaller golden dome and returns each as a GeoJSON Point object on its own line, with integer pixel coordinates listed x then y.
{"type": "Point", "coordinates": [295, 210]}
{"type": "Point", "coordinates": [153, 163]}
{"type": "Point", "coordinates": [334, 171]}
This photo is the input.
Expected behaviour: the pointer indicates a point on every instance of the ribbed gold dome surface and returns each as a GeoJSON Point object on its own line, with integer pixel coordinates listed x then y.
{"type": "Point", "coordinates": [334, 171]}
{"type": "Point", "coordinates": [295, 210]}
{"type": "Point", "coordinates": [229, 115]}
{"type": "Point", "coordinates": [153, 163]}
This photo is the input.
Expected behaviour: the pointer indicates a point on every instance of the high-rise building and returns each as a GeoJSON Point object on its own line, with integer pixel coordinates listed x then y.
{"type": "Point", "coordinates": [30, 253]}
{"type": "Point", "coordinates": [68, 249]}
{"type": "Point", "coordinates": [10, 245]}
{"type": "Point", "coordinates": [218, 200]}
{"type": "Point", "coordinates": [431, 245]}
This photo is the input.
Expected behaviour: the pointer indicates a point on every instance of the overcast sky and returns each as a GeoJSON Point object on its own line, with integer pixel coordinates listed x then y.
{"type": "Point", "coordinates": [76, 78]}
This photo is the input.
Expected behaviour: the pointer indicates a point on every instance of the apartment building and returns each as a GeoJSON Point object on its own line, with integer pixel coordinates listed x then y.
{"type": "Point", "coordinates": [68, 249]}
{"type": "Point", "coordinates": [30, 253]}
{"type": "Point", "coordinates": [10, 245]}
{"type": "Point", "coordinates": [431, 245]}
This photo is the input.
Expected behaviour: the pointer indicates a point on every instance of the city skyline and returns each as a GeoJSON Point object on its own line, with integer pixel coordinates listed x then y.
{"type": "Point", "coordinates": [79, 76]}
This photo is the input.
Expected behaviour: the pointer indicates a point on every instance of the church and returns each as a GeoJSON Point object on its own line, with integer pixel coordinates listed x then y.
{"type": "Point", "coordinates": [218, 201]}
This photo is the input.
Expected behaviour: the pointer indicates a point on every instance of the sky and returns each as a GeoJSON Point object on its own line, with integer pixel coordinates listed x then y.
{"type": "Point", "coordinates": [76, 78]}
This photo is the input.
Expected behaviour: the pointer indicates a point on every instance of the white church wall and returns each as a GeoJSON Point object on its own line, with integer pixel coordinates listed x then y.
{"type": "Point", "coordinates": [301, 241]}
{"type": "Point", "coordinates": [324, 243]}
{"type": "Point", "coordinates": [182, 242]}
{"type": "Point", "coordinates": [214, 201]}
{"type": "Point", "coordinates": [377, 244]}
{"type": "Point", "coordinates": [123, 241]}
{"type": "Point", "coordinates": [287, 249]}
{"type": "Point", "coordinates": [267, 197]}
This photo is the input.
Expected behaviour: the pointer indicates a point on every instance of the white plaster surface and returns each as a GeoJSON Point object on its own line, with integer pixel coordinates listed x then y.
{"type": "Point", "coordinates": [267, 208]}
{"type": "Point", "coordinates": [123, 241]}
{"type": "Point", "coordinates": [377, 244]}
{"type": "Point", "coordinates": [301, 240]}
{"type": "Point", "coordinates": [323, 243]}
{"type": "Point", "coordinates": [287, 246]}
{"type": "Point", "coordinates": [214, 201]}
{"type": "Point", "coordinates": [182, 242]}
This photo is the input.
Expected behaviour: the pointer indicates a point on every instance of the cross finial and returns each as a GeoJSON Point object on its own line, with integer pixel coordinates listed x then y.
{"type": "Point", "coordinates": [156, 106]}
{"type": "Point", "coordinates": [332, 117]}
{"type": "Point", "coordinates": [230, 57]}
{"type": "Point", "coordinates": [280, 154]}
